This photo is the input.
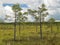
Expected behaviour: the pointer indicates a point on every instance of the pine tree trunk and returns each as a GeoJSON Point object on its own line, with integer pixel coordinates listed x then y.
{"type": "Point", "coordinates": [15, 28]}
{"type": "Point", "coordinates": [40, 27]}
{"type": "Point", "coordinates": [51, 27]}
{"type": "Point", "coordinates": [19, 30]}
{"type": "Point", "coordinates": [23, 27]}
{"type": "Point", "coordinates": [57, 27]}
{"type": "Point", "coordinates": [36, 26]}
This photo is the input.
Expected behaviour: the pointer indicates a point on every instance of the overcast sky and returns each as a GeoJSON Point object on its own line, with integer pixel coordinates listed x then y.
{"type": "Point", "coordinates": [52, 5]}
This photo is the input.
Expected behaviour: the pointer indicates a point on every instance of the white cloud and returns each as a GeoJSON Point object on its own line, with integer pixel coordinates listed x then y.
{"type": "Point", "coordinates": [24, 10]}
{"type": "Point", "coordinates": [32, 4]}
{"type": "Point", "coordinates": [8, 11]}
{"type": "Point", "coordinates": [52, 3]}
{"type": "Point", "coordinates": [1, 8]}
{"type": "Point", "coordinates": [51, 12]}
{"type": "Point", "coordinates": [30, 18]}
{"type": "Point", "coordinates": [53, 8]}
{"type": "Point", "coordinates": [47, 18]}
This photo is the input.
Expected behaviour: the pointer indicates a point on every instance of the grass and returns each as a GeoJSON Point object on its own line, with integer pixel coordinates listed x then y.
{"type": "Point", "coordinates": [28, 35]}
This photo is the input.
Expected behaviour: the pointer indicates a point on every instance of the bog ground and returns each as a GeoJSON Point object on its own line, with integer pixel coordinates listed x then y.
{"type": "Point", "coordinates": [28, 35]}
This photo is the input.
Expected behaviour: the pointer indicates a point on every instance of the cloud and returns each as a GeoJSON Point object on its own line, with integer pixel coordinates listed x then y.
{"type": "Point", "coordinates": [1, 8]}
{"type": "Point", "coordinates": [8, 10]}
{"type": "Point", "coordinates": [30, 18]}
{"type": "Point", "coordinates": [53, 8]}
{"type": "Point", "coordinates": [52, 3]}
{"type": "Point", "coordinates": [9, 14]}
{"type": "Point", "coordinates": [34, 3]}
{"type": "Point", "coordinates": [11, 1]}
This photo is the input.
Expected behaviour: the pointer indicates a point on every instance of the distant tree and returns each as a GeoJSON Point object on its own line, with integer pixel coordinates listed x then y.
{"type": "Point", "coordinates": [51, 20]}
{"type": "Point", "coordinates": [16, 8]}
{"type": "Point", "coordinates": [24, 18]}
{"type": "Point", "coordinates": [21, 18]}
{"type": "Point", "coordinates": [57, 25]}
{"type": "Point", "coordinates": [36, 20]}
{"type": "Point", "coordinates": [39, 15]}
{"type": "Point", "coordinates": [42, 13]}
{"type": "Point", "coordinates": [33, 13]}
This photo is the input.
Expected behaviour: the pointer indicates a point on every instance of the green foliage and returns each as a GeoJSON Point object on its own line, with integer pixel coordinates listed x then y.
{"type": "Point", "coordinates": [51, 20]}
{"type": "Point", "coordinates": [20, 13]}
{"type": "Point", "coordinates": [30, 11]}
{"type": "Point", "coordinates": [20, 16]}
{"type": "Point", "coordinates": [25, 13]}
{"type": "Point", "coordinates": [42, 9]}
{"type": "Point", "coordinates": [41, 12]}
{"type": "Point", "coordinates": [16, 8]}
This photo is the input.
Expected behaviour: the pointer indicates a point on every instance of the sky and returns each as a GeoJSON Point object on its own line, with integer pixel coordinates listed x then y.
{"type": "Point", "coordinates": [52, 5]}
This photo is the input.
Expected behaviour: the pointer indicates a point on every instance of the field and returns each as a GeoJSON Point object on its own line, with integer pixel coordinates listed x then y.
{"type": "Point", "coordinates": [28, 35]}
